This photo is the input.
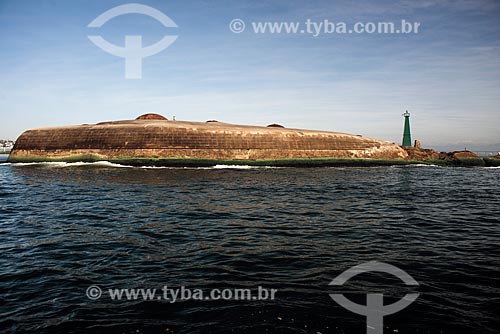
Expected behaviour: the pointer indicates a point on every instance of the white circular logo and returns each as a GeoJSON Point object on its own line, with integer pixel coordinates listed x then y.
{"type": "Point", "coordinates": [237, 26]}
{"type": "Point", "coordinates": [94, 292]}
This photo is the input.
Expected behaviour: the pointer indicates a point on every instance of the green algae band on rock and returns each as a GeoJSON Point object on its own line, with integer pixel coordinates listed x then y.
{"type": "Point", "coordinates": [154, 138]}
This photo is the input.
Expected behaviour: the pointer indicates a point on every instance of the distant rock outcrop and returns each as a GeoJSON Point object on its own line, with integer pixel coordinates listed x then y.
{"type": "Point", "coordinates": [462, 158]}
{"type": "Point", "coordinates": [493, 161]}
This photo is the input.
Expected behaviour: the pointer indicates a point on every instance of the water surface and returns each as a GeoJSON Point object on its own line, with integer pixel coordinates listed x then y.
{"type": "Point", "coordinates": [65, 227]}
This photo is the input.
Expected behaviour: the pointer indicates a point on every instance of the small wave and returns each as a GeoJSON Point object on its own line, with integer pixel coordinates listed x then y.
{"type": "Point", "coordinates": [231, 167]}
{"type": "Point", "coordinates": [97, 164]}
{"type": "Point", "coordinates": [115, 165]}
{"type": "Point", "coordinates": [415, 165]}
{"type": "Point", "coordinates": [240, 167]}
{"type": "Point", "coordinates": [71, 164]}
{"type": "Point", "coordinates": [156, 167]}
{"type": "Point", "coordinates": [210, 167]}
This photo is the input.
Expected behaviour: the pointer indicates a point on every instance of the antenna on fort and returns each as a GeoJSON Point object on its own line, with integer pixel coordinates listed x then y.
{"type": "Point", "coordinates": [407, 133]}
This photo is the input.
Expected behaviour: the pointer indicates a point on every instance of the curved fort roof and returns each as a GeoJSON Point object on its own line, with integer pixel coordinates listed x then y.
{"type": "Point", "coordinates": [153, 136]}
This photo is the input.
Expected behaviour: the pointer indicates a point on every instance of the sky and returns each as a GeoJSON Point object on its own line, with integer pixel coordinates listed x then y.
{"type": "Point", "coordinates": [447, 75]}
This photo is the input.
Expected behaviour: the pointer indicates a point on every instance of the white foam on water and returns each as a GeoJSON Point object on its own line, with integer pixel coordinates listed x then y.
{"type": "Point", "coordinates": [162, 167]}
{"type": "Point", "coordinates": [425, 165]}
{"type": "Point", "coordinates": [97, 164]}
{"type": "Point", "coordinates": [239, 167]}
{"type": "Point", "coordinates": [70, 164]}
{"type": "Point", "coordinates": [115, 165]}
{"type": "Point", "coordinates": [414, 165]}
{"type": "Point", "coordinates": [231, 167]}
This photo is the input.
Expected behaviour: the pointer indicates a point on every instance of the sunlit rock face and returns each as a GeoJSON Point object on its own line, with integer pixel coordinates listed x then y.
{"type": "Point", "coordinates": [153, 136]}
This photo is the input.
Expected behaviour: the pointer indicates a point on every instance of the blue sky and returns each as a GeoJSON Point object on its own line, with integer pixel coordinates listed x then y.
{"type": "Point", "coordinates": [447, 76]}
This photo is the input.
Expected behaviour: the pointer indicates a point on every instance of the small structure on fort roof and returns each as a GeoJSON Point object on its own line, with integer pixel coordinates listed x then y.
{"type": "Point", "coordinates": [152, 117]}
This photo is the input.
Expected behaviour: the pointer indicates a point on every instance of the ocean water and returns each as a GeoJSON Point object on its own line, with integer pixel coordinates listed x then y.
{"type": "Point", "coordinates": [67, 227]}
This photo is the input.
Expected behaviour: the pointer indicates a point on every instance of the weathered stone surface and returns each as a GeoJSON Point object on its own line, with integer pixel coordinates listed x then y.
{"type": "Point", "coordinates": [154, 138]}
{"type": "Point", "coordinates": [420, 154]}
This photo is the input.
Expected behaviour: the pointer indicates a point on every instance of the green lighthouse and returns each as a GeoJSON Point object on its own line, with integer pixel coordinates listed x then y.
{"type": "Point", "coordinates": [407, 133]}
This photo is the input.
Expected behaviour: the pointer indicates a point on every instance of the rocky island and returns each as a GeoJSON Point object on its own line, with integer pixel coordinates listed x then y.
{"type": "Point", "coordinates": [152, 139]}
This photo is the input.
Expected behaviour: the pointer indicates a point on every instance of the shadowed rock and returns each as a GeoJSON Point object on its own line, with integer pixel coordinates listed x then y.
{"type": "Point", "coordinates": [462, 158]}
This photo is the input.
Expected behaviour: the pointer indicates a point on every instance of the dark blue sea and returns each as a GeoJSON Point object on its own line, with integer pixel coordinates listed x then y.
{"type": "Point", "coordinates": [70, 231]}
